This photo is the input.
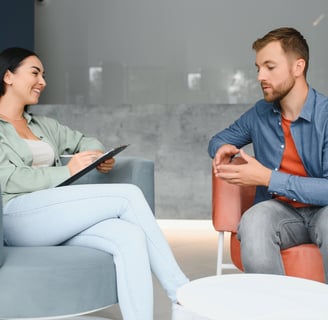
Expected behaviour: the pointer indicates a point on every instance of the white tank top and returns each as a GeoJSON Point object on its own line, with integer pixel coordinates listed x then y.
{"type": "Point", "coordinates": [42, 152]}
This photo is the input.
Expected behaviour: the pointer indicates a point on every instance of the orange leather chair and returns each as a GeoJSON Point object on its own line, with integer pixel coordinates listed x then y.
{"type": "Point", "coordinates": [228, 204]}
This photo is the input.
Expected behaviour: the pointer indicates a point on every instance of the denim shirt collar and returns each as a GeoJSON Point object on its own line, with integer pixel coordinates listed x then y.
{"type": "Point", "coordinates": [307, 110]}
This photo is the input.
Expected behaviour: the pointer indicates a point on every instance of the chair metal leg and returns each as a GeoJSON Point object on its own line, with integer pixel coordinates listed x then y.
{"type": "Point", "coordinates": [220, 265]}
{"type": "Point", "coordinates": [220, 252]}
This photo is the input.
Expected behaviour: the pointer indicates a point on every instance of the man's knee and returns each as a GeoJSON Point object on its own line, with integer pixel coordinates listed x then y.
{"type": "Point", "coordinates": [257, 220]}
{"type": "Point", "coordinates": [319, 227]}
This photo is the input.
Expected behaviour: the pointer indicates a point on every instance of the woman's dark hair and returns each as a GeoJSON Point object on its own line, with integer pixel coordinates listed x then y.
{"type": "Point", "coordinates": [11, 59]}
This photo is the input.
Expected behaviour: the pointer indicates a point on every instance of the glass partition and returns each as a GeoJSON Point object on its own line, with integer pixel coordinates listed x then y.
{"type": "Point", "coordinates": [169, 51]}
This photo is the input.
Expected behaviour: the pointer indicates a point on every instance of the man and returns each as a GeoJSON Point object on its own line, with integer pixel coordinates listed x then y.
{"type": "Point", "coordinates": [289, 132]}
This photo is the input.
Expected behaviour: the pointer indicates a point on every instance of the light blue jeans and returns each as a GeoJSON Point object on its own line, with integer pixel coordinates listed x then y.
{"type": "Point", "coordinates": [272, 225]}
{"type": "Point", "coordinates": [114, 218]}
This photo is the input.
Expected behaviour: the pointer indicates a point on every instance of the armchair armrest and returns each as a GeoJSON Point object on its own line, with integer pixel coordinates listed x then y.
{"type": "Point", "coordinates": [1, 236]}
{"type": "Point", "coordinates": [229, 202]}
{"type": "Point", "coordinates": [133, 170]}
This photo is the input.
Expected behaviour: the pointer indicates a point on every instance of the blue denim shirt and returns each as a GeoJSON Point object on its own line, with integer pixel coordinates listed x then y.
{"type": "Point", "coordinates": [261, 125]}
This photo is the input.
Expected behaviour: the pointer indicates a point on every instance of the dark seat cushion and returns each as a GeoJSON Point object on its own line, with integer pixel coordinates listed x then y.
{"type": "Point", "coordinates": [55, 281]}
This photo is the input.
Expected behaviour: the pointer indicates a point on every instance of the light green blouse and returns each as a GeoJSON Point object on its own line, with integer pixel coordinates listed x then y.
{"type": "Point", "coordinates": [17, 176]}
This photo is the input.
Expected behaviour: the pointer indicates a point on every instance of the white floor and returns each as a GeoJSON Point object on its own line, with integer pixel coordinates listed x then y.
{"type": "Point", "coordinates": [194, 243]}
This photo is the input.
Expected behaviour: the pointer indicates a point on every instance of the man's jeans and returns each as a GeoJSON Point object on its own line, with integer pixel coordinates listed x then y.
{"type": "Point", "coordinates": [272, 225]}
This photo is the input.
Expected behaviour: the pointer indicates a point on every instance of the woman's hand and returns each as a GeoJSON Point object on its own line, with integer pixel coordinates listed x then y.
{"type": "Point", "coordinates": [82, 159]}
{"type": "Point", "coordinates": [106, 166]}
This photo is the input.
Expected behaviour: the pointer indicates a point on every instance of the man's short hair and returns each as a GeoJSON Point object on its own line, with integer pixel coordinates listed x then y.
{"type": "Point", "coordinates": [291, 41]}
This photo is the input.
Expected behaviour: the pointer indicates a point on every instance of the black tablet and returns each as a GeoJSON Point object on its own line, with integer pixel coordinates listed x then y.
{"type": "Point", "coordinates": [107, 155]}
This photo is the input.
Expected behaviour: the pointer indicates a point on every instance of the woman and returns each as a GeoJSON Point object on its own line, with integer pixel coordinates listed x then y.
{"type": "Point", "coordinates": [98, 216]}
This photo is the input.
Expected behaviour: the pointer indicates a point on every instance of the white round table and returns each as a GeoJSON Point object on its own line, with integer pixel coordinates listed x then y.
{"type": "Point", "coordinates": [255, 297]}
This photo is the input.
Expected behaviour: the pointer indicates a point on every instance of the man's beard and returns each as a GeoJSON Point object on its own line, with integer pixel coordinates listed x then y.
{"type": "Point", "coordinates": [280, 92]}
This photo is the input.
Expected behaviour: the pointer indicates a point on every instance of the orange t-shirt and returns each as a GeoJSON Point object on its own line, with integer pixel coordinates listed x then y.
{"type": "Point", "coordinates": [291, 162]}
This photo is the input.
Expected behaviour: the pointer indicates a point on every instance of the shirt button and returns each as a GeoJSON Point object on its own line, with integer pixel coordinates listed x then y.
{"type": "Point", "coordinates": [282, 146]}
{"type": "Point", "coordinates": [279, 123]}
{"type": "Point", "coordinates": [275, 169]}
{"type": "Point", "coordinates": [294, 200]}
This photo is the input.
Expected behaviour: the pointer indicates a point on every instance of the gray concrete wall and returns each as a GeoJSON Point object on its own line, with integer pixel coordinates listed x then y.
{"type": "Point", "coordinates": [174, 136]}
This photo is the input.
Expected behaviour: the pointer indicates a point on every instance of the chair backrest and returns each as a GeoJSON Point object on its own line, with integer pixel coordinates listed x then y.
{"type": "Point", "coordinates": [138, 171]}
{"type": "Point", "coordinates": [229, 201]}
